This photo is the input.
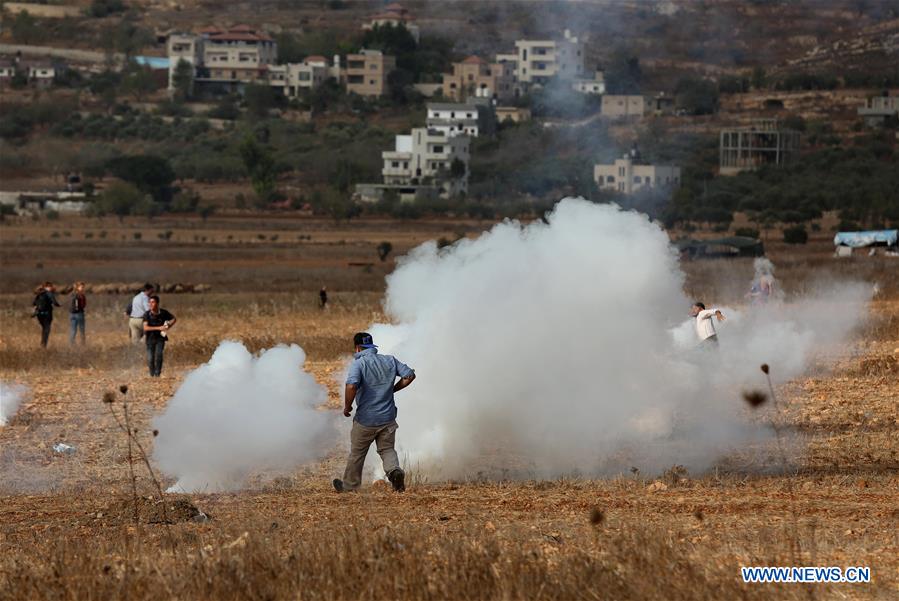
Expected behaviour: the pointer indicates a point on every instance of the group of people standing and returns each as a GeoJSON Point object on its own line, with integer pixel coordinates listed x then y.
{"type": "Point", "coordinates": [146, 319]}
{"type": "Point", "coordinates": [45, 301]}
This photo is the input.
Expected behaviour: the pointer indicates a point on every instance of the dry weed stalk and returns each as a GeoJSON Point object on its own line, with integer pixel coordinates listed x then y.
{"type": "Point", "coordinates": [131, 433]}
{"type": "Point", "coordinates": [756, 399]}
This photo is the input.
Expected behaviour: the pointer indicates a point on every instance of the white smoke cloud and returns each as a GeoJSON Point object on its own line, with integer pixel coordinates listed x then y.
{"type": "Point", "coordinates": [561, 348]}
{"type": "Point", "coordinates": [11, 396]}
{"type": "Point", "coordinates": [240, 414]}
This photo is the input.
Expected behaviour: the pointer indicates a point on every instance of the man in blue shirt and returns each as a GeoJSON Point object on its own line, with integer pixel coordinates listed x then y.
{"type": "Point", "coordinates": [371, 382]}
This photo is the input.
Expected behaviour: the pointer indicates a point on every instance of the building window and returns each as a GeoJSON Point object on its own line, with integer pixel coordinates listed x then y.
{"type": "Point", "coordinates": [621, 171]}
{"type": "Point", "coordinates": [438, 148]}
{"type": "Point", "coordinates": [395, 164]}
{"type": "Point", "coordinates": [621, 187]}
{"type": "Point", "coordinates": [610, 179]}
{"type": "Point", "coordinates": [371, 81]}
{"type": "Point", "coordinates": [637, 179]}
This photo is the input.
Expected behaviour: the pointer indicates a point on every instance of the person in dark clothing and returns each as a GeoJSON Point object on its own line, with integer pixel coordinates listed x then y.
{"type": "Point", "coordinates": [44, 301]}
{"type": "Point", "coordinates": [156, 325]}
{"type": "Point", "coordinates": [323, 298]}
{"type": "Point", "coordinates": [76, 311]}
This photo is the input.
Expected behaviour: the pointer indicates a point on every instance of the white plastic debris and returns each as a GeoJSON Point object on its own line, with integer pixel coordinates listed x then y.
{"type": "Point", "coordinates": [64, 449]}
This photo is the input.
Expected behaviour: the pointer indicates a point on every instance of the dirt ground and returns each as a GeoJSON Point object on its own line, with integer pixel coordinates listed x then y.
{"type": "Point", "coordinates": [66, 520]}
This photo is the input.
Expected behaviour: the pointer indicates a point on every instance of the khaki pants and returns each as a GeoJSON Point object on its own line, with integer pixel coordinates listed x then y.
{"type": "Point", "coordinates": [136, 327]}
{"type": "Point", "coordinates": [361, 438]}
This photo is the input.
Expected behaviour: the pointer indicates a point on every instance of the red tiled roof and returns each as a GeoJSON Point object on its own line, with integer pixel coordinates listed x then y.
{"type": "Point", "coordinates": [242, 28]}
{"type": "Point", "coordinates": [473, 60]}
{"type": "Point", "coordinates": [315, 59]}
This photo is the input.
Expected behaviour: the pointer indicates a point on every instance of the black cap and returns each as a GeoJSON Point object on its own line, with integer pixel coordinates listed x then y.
{"type": "Point", "coordinates": [364, 340]}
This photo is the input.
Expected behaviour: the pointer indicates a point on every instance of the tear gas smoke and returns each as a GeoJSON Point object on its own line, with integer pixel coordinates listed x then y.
{"type": "Point", "coordinates": [555, 348]}
{"type": "Point", "coordinates": [239, 414]}
{"type": "Point", "coordinates": [11, 395]}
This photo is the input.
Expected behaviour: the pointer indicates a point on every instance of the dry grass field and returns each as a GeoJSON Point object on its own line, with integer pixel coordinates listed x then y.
{"type": "Point", "coordinates": [67, 528]}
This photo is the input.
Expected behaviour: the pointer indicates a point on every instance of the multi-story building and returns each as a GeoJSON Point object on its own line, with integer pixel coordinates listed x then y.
{"type": "Point", "coordinates": [629, 174]}
{"type": "Point", "coordinates": [878, 109]}
{"type": "Point", "coordinates": [537, 61]}
{"type": "Point", "coordinates": [424, 163]}
{"type": "Point", "coordinates": [471, 119]}
{"type": "Point", "coordinates": [475, 77]}
{"type": "Point", "coordinates": [621, 106]}
{"type": "Point", "coordinates": [394, 14]}
{"type": "Point", "coordinates": [224, 58]}
{"type": "Point", "coordinates": [426, 156]}
{"type": "Point", "coordinates": [184, 47]}
{"type": "Point", "coordinates": [366, 72]}
{"type": "Point", "coordinates": [295, 78]}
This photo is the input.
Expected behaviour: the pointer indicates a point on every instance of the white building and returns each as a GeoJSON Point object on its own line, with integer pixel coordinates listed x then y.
{"type": "Point", "coordinates": [468, 119]}
{"type": "Point", "coordinates": [878, 109]}
{"type": "Point", "coordinates": [41, 74]}
{"type": "Point", "coordinates": [224, 57]}
{"type": "Point", "coordinates": [426, 157]}
{"type": "Point", "coordinates": [595, 86]}
{"type": "Point", "coordinates": [628, 175]}
{"type": "Point", "coordinates": [294, 78]}
{"type": "Point", "coordinates": [536, 61]}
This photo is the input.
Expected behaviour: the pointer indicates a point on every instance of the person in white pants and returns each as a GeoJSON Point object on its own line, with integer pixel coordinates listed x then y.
{"type": "Point", "coordinates": [136, 310]}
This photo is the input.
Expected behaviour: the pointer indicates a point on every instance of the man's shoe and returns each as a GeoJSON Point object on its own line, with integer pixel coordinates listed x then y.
{"type": "Point", "coordinates": [338, 484]}
{"type": "Point", "coordinates": [398, 479]}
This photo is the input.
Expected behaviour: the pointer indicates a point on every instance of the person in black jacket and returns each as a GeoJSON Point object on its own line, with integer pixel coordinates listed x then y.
{"type": "Point", "coordinates": [157, 322]}
{"type": "Point", "coordinates": [44, 301]}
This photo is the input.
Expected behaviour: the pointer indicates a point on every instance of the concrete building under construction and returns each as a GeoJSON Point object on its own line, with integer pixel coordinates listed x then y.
{"type": "Point", "coordinates": [762, 143]}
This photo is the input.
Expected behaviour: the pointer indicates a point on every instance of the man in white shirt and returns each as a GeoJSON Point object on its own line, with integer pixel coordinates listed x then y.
{"type": "Point", "coordinates": [705, 327]}
{"type": "Point", "coordinates": [140, 304]}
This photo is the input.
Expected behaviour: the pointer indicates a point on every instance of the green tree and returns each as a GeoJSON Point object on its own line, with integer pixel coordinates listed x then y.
{"type": "Point", "coordinates": [458, 168]}
{"type": "Point", "coordinates": [260, 166]}
{"type": "Point", "coordinates": [696, 96]}
{"type": "Point", "coordinates": [103, 8]}
{"type": "Point", "coordinates": [118, 199]}
{"type": "Point", "coordinates": [183, 80]}
{"type": "Point", "coordinates": [624, 75]}
{"type": "Point", "coordinates": [260, 100]}
{"type": "Point", "coordinates": [759, 78]}
{"type": "Point", "coordinates": [138, 81]}
{"type": "Point", "coordinates": [335, 204]}
{"type": "Point", "coordinates": [25, 29]}
{"type": "Point", "coordinates": [149, 173]}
